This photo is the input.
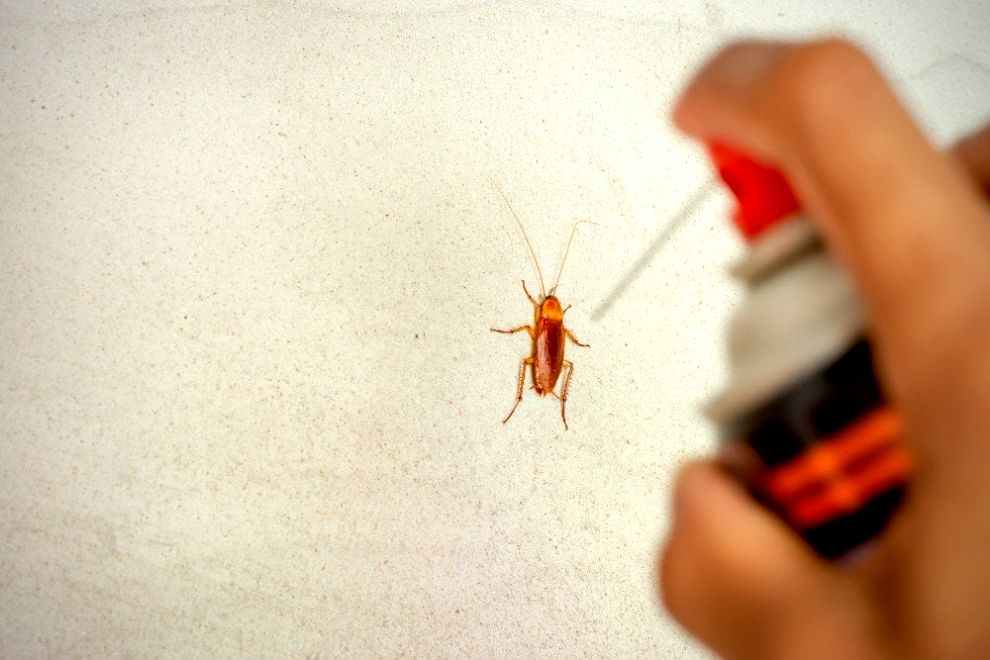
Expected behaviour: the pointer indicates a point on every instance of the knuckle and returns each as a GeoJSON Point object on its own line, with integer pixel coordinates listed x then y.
{"type": "Point", "coordinates": [820, 78]}
{"type": "Point", "coordinates": [819, 64]}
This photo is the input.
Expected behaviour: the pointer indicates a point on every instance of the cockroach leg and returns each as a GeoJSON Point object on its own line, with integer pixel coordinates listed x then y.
{"type": "Point", "coordinates": [567, 364]}
{"type": "Point", "coordinates": [529, 295]}
{"type": "Point", "coordinates": [519, 386]}
{"type": "Point", "coordinates": [512, 331]}
{"type": "Point", "coordinates": [570, 335]}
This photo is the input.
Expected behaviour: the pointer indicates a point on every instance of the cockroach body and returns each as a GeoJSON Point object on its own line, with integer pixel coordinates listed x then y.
{"type": "Point", "coordinates": [547, 333]}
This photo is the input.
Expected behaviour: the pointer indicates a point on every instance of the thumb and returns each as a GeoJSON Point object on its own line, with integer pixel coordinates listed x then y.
{"type": "Point", "coordinates": [736, 577]}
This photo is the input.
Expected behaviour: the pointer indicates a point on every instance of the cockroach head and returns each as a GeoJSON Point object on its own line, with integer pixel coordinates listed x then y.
{"type": "Point", "coordinates": [550, 309]}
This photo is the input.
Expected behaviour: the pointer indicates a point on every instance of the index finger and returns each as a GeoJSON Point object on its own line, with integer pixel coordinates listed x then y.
{"type": "Point", "coordinates": [909, 225]}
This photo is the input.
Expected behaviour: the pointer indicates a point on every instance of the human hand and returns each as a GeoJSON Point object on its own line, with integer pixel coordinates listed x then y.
{"type": "Point", "coordinates": [913, 230]}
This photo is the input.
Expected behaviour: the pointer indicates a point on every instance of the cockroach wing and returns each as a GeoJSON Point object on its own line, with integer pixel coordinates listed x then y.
{"type": "Point", "coordinates": [549, 354]}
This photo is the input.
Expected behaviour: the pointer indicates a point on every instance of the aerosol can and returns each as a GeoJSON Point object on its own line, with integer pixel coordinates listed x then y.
{"type": "Point", "coordinates": [804, 420]}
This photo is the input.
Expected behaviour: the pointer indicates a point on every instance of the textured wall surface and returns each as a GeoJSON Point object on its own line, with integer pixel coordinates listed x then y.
{"type": "Point", "coordinates": [249, 257]}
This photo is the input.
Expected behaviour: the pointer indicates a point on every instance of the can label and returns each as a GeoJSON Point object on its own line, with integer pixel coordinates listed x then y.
{"type": "Point", "coordinates": [843, 472]}
{"type": "Point", "coordinates": [827, 454]}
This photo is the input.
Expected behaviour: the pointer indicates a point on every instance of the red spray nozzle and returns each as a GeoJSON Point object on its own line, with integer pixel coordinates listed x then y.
{"type": "Point", "coordinates": [763, 193]}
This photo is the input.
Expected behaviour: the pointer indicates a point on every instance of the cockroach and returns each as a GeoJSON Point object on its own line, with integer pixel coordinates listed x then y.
{"type": "Point", "coordinates": [548, 332]}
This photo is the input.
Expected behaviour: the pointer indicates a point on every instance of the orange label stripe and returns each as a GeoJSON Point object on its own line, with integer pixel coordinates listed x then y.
{"type": "Point", "coordinates": [849, 492]}
{"type": "Point", "coordinates": [843, 472]}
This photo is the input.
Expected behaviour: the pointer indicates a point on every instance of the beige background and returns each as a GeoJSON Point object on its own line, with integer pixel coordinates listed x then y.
{"type": "Point", "coordinates": [249, 403]}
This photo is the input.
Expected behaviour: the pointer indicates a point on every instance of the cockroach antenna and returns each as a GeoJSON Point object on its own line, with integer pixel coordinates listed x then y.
{"type": "Point", "coordinates": [567, 250]}
{"type": "Point", "coordinates": [532, 252]}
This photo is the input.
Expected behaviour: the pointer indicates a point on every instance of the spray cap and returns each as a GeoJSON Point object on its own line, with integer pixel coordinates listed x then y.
{"type": "Point", "coordinates": [765, 198]}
